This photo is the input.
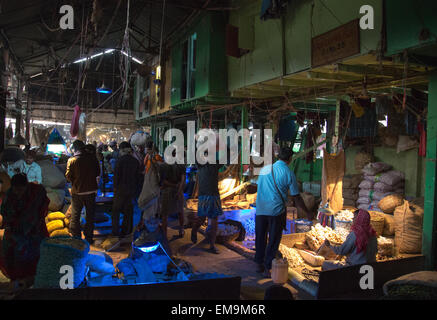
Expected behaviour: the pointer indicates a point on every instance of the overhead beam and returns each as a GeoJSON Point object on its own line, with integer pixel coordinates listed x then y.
{"type": "Point", "coordinates": [382, 71]}
{"type": "Point", "coordinates": [332, 76]}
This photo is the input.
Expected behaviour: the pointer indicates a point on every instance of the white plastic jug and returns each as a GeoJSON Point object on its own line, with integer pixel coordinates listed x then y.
{"type": "Point", "coordinates": [280, 271]}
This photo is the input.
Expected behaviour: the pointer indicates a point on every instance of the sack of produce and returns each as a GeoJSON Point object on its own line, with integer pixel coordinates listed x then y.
{"type": "Point", "coordinates": [363, 206]}
{"type": "Point", "coordinates": [57, 199]}
{"type": "Point", "coordinates": [60, 232]}
{"type": "Point", "coordinates": [362, 159]}
{"type": "Point", "coordinates": [420, 285]}
{"type": "Point", "coordinates": [406, 143]}
{"type": "Point", "coordinates": [385, 246]}
{"type": "Point", "coordinates": [352, 181]}
{"type": "Point", "coordinates": [309, 200]}
{"type": "Point", "coordinates": [151, 188]}
{"type": "Point", "coordinates": [55, 216]}
{"type": "Point", "coordinates": [350, 194]}
{"type": "Point", "coordinates": [100, 262]}
{"type": "Point", "coordinates": [295, 260]}
{"type": "Point", "coordinates": [55, 225]}
{"type": "Point", "coordinates": [57, 252]}
{"type": "Point", "coordinates": [366, 184]}
{"type": "Point", "coordinates": [377, 221]}
{"type": "Point", "coordinates": [364, 200]}
{"type": "Point", "coordinates": [311, 258]}
{"type": "Point", "coordinates": [408, 228]}
{"type": "Point", "coordinates": [139, 138]}
{"type": "Point", "coordinates": [371, 194]}
{"type": "Point", "coordinates": [349, 203]}
{"type": "Point", "coordinates": [389, 203]}
{"type": "Point", "coordinates": [374, 168]}
{"type": "Point", "coordinates": [52, 177]}
{"type": "Point", "coordinates": [382, 187]}
{"type": "Point", "coordinates": [392, 177]}
{"type": "Point", "coordinates": [389, 225]}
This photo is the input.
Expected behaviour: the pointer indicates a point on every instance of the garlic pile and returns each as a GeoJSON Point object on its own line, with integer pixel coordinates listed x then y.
{"type": "Point", "coordinates": [345, 215]}
{"type": "Point", "coordinates": [226, 229]}
{"type": "Point", "coordinates": [385, 246]}
{"type": "Point", "coordinates": [319, 234]}
{"type": "Point", "coordinates": [294, 258]}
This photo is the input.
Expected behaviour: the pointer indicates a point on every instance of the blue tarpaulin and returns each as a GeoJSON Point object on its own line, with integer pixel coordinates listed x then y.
{"type": "Point", "coordinates": [56, 138]}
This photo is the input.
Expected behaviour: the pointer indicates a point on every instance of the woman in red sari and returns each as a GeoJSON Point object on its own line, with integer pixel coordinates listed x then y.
{"type": "Point", "coordinates": [23, 209]}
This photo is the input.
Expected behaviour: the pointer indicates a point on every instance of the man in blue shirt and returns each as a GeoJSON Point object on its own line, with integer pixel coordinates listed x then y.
{"type": "Point", "coordinates": [271, 212]}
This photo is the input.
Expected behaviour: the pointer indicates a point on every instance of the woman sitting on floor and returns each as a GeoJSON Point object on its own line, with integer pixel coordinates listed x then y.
{"type": "Point", "coordinates": [360, 246]}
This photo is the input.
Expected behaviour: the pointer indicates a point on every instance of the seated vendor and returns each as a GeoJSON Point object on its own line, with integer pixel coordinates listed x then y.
{"type": "Point", "coordinates": [360, 246]}
{"type": "Point", "coordinates": [24, 209]}
{"type": "Point", "coordinates": [28, 166]}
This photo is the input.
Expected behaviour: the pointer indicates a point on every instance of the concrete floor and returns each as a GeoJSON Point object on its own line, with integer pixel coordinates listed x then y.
{"type": "Point", "coordinates": [228, 262]}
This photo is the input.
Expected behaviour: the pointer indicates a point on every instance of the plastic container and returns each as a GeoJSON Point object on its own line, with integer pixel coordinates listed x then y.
{"type": "Point", "coordinates": [279, 271]}
{"type": "Point", "coordinates": [301, 226]}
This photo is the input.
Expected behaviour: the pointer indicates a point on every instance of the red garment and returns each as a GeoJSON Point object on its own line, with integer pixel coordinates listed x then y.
{"type": "Point", "coordinates": [74, 128]}
{"type": "Point", "coordinates": [363, 230]}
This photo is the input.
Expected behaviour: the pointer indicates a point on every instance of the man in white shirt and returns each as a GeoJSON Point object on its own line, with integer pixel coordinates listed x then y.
{"type": "Point", "coordinates": [28, 166]}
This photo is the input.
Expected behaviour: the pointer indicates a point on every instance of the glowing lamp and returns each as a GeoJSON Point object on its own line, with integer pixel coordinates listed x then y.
{"type": "Point", "coordinates": [103, 89]}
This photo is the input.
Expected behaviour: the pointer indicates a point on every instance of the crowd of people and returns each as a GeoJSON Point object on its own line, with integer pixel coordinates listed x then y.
{"type": "Point", "coordinates": [142, 178]}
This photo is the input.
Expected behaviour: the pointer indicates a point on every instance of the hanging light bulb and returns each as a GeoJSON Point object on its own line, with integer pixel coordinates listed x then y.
{"type": "Point", "coordinates": [103, 89]}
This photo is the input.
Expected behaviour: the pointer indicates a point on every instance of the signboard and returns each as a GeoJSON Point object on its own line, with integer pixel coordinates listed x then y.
{"type": "Point", "coordinates": [336, 44]}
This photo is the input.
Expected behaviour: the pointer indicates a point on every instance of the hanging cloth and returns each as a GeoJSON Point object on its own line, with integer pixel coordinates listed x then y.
{"type": "Point", "coordinates": [74, 128]}
{"type": "Point", "coordinates": [332, 180]}
{"type": "Point", "coordinates": [421, 127]}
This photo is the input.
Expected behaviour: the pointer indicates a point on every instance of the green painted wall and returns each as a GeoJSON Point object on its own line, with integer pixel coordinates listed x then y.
{"type": "Point", "coordinates": [408, 162]}
{"type": "Point", "coordinates": [405, 20]}
{"type": "Point", "coordinates": [210, 74]}
{"type": "Point", "coordinates": [303, 170]}
{"type": "Point", "coordinates": [265, 61]}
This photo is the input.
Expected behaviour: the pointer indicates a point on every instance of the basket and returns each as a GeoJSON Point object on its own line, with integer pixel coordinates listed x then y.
{"type": "Point", "coordinates": [377, 221]}
{"type": "Point", "coordinates": [301, 226]}
{"type": "Point", "coordinates": [347, 225]}
{"type": "Point", "coordinates": [57, 252]}
{"type": "Point", "coordinates": [389, 203]}
{"type": "Point", "coordinates": [239, 235]}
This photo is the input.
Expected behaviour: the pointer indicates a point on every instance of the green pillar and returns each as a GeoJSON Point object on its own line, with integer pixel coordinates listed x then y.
{"type": "Point", "coordinates": [429, 221]}
{"type": "Point", "coordinates": [244, 125]}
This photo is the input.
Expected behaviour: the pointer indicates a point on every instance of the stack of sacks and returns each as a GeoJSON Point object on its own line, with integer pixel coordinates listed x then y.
{"type": "Point", "coordinates": [379, 181]}
{"type": "Point", "coordinates": [350, 189]}
{"type": "Point", "coordinates": [56, 224]}
{"type": "Point", "coordinates": [53, 180]}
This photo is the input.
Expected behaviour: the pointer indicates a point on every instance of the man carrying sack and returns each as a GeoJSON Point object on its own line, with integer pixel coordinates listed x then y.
{"type": "Point", "coordinates": [274, 182]}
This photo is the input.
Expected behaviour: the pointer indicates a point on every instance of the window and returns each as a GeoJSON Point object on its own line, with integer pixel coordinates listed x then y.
{"type": "Point", "coordinates": [189, 62]}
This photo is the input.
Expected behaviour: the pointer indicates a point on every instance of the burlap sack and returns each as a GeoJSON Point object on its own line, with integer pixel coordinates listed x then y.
{"type": "Point", "coordinates": [332, 180]}
{"type": "Point", "coordinates": [389, 203]}
{"type": "Point", "coordinates": [389, 225]}
{"type": "Point", "coordinates": [408, 228]}
{"type": "Point", "coordinates": [352, 181]}
{"type": "Point", "coordinates": [351, 194]}
{"type": "Point", "coordinates": [361, 160]}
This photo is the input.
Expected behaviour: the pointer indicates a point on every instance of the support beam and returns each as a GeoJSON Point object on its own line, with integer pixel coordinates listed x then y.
{"type": "Point", "coordinates": [3, 88]}
{"type": "Point", "coordinates": [384, 71]}
{"type": "Point", "coordinates": [244, 125]}
{"type": "Point", "coordinates": [321, 76]}
{"type": "Point", "coordinates": [429, 221]}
